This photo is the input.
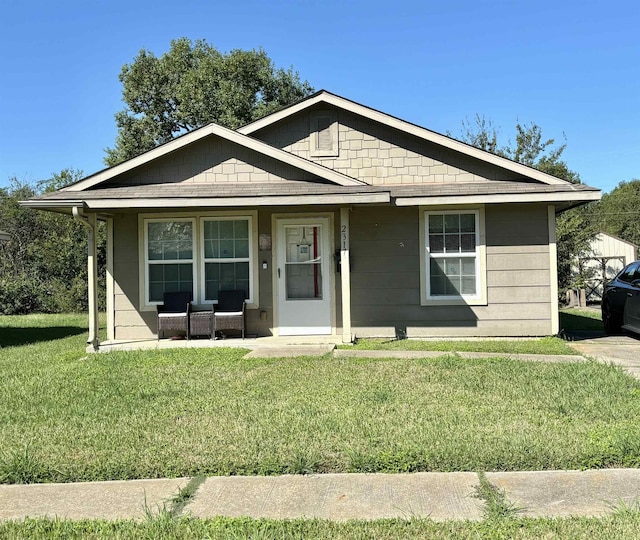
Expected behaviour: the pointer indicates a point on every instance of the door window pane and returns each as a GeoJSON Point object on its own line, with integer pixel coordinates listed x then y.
{"type": "Point", "coordinates": [303, 264]}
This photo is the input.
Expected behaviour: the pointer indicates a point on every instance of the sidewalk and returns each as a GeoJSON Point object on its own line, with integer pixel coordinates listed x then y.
{"type": "Point", "coordinates": [439, 496]}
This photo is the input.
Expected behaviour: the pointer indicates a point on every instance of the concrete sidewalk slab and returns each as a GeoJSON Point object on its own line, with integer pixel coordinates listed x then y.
{"type": "Point", "coordinates": [121, 499]}
{"type": "Point", "coordinates": [343, 353]}
{"type": "Point", "coordinates": [568, 493]}
{"type": "Point", "coordinates": [290, 351]}
{"type": "Point", "coordinates": [440, 496]}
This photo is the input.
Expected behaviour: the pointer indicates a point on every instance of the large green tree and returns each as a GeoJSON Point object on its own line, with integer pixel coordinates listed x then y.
{"type": "Point", "coordinates": [192, 85]}
{"type": "Point", "coordinates": [575, 229]}
{"type": "Point", "coordinates": [619, 212]}
{"type": "Point", "coordinates": [43, 266]}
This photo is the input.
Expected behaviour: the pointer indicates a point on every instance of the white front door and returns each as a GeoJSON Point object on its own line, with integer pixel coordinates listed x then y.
{"type": "Point", "coordinates": [303, 257]}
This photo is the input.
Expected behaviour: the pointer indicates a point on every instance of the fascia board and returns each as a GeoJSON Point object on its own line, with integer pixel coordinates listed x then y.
{"type": "Point", "coordinates": [499, 198]}
{"type": "Point", "coordinates": [269, 200]}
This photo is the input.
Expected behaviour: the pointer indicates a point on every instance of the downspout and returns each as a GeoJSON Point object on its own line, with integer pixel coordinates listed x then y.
{"type": "Point", "coordinates": [90, 222]}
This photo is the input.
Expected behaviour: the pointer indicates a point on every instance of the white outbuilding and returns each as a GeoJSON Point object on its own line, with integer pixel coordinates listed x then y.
{"type": "Point", "coordinates": [608, 255]}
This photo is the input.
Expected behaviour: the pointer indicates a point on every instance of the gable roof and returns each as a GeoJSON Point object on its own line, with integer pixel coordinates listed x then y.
{"type": "Point", "coordinates": [240, 139]}
{"type": "Point", "coordinates": [323, 96]}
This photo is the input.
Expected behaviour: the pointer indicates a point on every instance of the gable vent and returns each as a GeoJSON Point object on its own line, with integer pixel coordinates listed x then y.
{"type": "Point", "coordinates": [323, 140]}
{"type": "Point", "coordinates": [324, 134]}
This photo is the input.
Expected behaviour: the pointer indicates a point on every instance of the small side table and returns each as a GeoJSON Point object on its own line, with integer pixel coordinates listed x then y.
{"type": "Point", "coordinates": [201, 323]}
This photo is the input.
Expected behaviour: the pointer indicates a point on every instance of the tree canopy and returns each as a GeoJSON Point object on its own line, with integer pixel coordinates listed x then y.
{"type": "Point", "coordinates": [619, 212]}
{"type": "Point", "coordinates": [43, 266]}
{"type": "Point", "coordinates": [192, 85]}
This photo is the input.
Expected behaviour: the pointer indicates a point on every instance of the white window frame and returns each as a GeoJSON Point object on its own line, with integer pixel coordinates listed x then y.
{"type": "Point", "coordinates": [204, 260]}
{"type": "Point", "coordinates": [198, 253]}
{"type": "Point", "coordinates": [148, 261]}
{"type": "Point", "coordinates": [480, 297]}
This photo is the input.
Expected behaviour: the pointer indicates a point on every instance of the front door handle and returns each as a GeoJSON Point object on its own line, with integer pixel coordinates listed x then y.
{"type": "Point", "coordinates": [629, 294]}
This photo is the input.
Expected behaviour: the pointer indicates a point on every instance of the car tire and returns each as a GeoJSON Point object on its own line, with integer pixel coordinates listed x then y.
{"type": "Point", "coordinates": [611, 322]}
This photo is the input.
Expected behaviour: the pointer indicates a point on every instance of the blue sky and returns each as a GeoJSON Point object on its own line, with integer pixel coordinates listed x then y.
{"type": "Point", "coordinates": [572, 67]}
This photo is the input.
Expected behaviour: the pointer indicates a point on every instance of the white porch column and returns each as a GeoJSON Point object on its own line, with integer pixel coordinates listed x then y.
{"type": "Point", "coordinates": [345, 275]}
{"type": "Point", "coordinates": [553, 270]}
{"type": "Point", "coordinates": [110, 282]}
{"type": "Point", "coordinates": [91, 223]}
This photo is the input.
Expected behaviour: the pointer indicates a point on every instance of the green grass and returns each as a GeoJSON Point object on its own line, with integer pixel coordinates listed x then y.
{"type": "Point", "coordinates": [581, 319]}
{"type": "Point", "coordinates": [66, 416]}
{"type": "Point", "coordinates": [547, 345]}
{"type": "Point", "coordinates": [623, 526]}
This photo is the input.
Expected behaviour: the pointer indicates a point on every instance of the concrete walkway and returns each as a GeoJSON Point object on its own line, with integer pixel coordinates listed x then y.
{"type": "Point", "coordinates": [623, 351]}
{"type": "Point", "coordinates": [438, 496]}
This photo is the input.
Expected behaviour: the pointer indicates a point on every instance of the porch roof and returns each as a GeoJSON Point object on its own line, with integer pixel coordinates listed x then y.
{"type": "Point", "coordinates": [295, 193]}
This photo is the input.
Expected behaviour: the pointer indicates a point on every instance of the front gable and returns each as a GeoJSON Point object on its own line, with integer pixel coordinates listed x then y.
{"type": "Point", "coordinates": [212, 160]}
{"type": "Point", "coordinates": [375, 153]}
{"type": "Point", "coordinates": [380, 149]}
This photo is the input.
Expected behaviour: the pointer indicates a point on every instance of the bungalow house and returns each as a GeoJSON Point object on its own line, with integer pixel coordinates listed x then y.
{"type": "Point", "coordinates": [335, 219]}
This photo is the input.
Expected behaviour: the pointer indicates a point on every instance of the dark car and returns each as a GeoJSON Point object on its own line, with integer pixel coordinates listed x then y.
{"type": "Point", "coordinates": [621, 301]}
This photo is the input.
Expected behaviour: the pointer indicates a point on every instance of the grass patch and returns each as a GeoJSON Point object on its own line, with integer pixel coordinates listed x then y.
{"type": "Point", "coordinates": [546, 345]}
{"type": "Point", "coordinates": [149, 414]}
{"type": "Point", "coordinates": [581, 319]}
{"type": "Point", "coordinates": [620, 526]}
{"type": "Point", "coordinates": [496, 504]}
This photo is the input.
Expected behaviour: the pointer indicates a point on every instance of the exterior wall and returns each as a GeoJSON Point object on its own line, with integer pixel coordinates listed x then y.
{"type": "Point", "coordinates": [380, 155]}
{"type": "Point", "coordinates": [385, 278]}
{"type": "Point", "coordinates": [131, 323]}
{"type": "Point", "coordinates": [213, 160]}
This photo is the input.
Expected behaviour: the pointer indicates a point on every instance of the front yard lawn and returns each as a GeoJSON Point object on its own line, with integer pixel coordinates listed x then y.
{"type": "Point", "coordinates": [546, 345]}
{"type": "Point", "coordinates": [621, 526]}
{"type": "Point", "coordinates": [67, 417]}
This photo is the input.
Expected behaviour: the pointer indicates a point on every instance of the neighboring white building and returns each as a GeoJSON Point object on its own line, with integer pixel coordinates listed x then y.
{"type": "Point", "coordinates": [609, 255]}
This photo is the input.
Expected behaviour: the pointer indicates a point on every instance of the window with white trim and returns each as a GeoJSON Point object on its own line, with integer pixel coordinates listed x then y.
{"type": "Point", "coordinates": [169, 257]}
{"type": "Point", "coordinates": [453, 255]}
{"type": "Point", "coordinates": [227, 248]}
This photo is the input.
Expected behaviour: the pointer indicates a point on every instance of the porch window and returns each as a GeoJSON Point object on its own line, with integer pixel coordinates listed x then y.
{"type": "Point", "coordinates": [169, 257]}
{"type": "Point", "coordinates": [226, 256]}
{"type": "Point", "coordinates": [453, 256]}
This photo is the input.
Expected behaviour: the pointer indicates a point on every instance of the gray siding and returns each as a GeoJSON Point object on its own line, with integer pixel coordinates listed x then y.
{"type": "Point", "coordinates": [385, 281]}
{"type": "Point", "coordinates": [213, 160]}
{"type": "Point", "coordinates": [379, 155]}
{"type": "Point", "coordinates": [385, 277]}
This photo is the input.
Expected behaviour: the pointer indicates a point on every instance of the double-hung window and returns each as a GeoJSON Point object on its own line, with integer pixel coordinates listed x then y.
{"type": "Point", "coordinates": [453, 257]}
{"type": "Point", "coordinates": [203, 254]}
{"type": "Point", "coordinates": [227, 248]}
{"type": "Point", "coordinates": [169, 250]}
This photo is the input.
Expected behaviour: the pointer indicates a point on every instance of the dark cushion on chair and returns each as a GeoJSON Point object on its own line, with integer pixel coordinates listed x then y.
{"type": "Point", "coordinates": [175, 302]}
{"type": "Point", "coordinates": [230, 301]}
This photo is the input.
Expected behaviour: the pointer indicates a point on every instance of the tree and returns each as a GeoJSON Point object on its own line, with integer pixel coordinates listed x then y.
{"type": "Point", "coordinates": [192, 85]}
{"type": "Point", "coordinates": [619, 212]}
{"type": "Point", "coordinates": [574, 228]}
{"type": "Point", "coordinates": [43, 267]}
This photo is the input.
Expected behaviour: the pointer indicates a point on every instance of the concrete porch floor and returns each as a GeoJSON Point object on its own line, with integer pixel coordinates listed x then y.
{"type": "Point", "coordinates": [323, 343]}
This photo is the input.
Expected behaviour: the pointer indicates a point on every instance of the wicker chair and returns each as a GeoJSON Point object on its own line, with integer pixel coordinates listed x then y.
{"type": "Point", "coordinates": [229, 313]}
{"type": "Point", "coordinates": [173, 314]}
